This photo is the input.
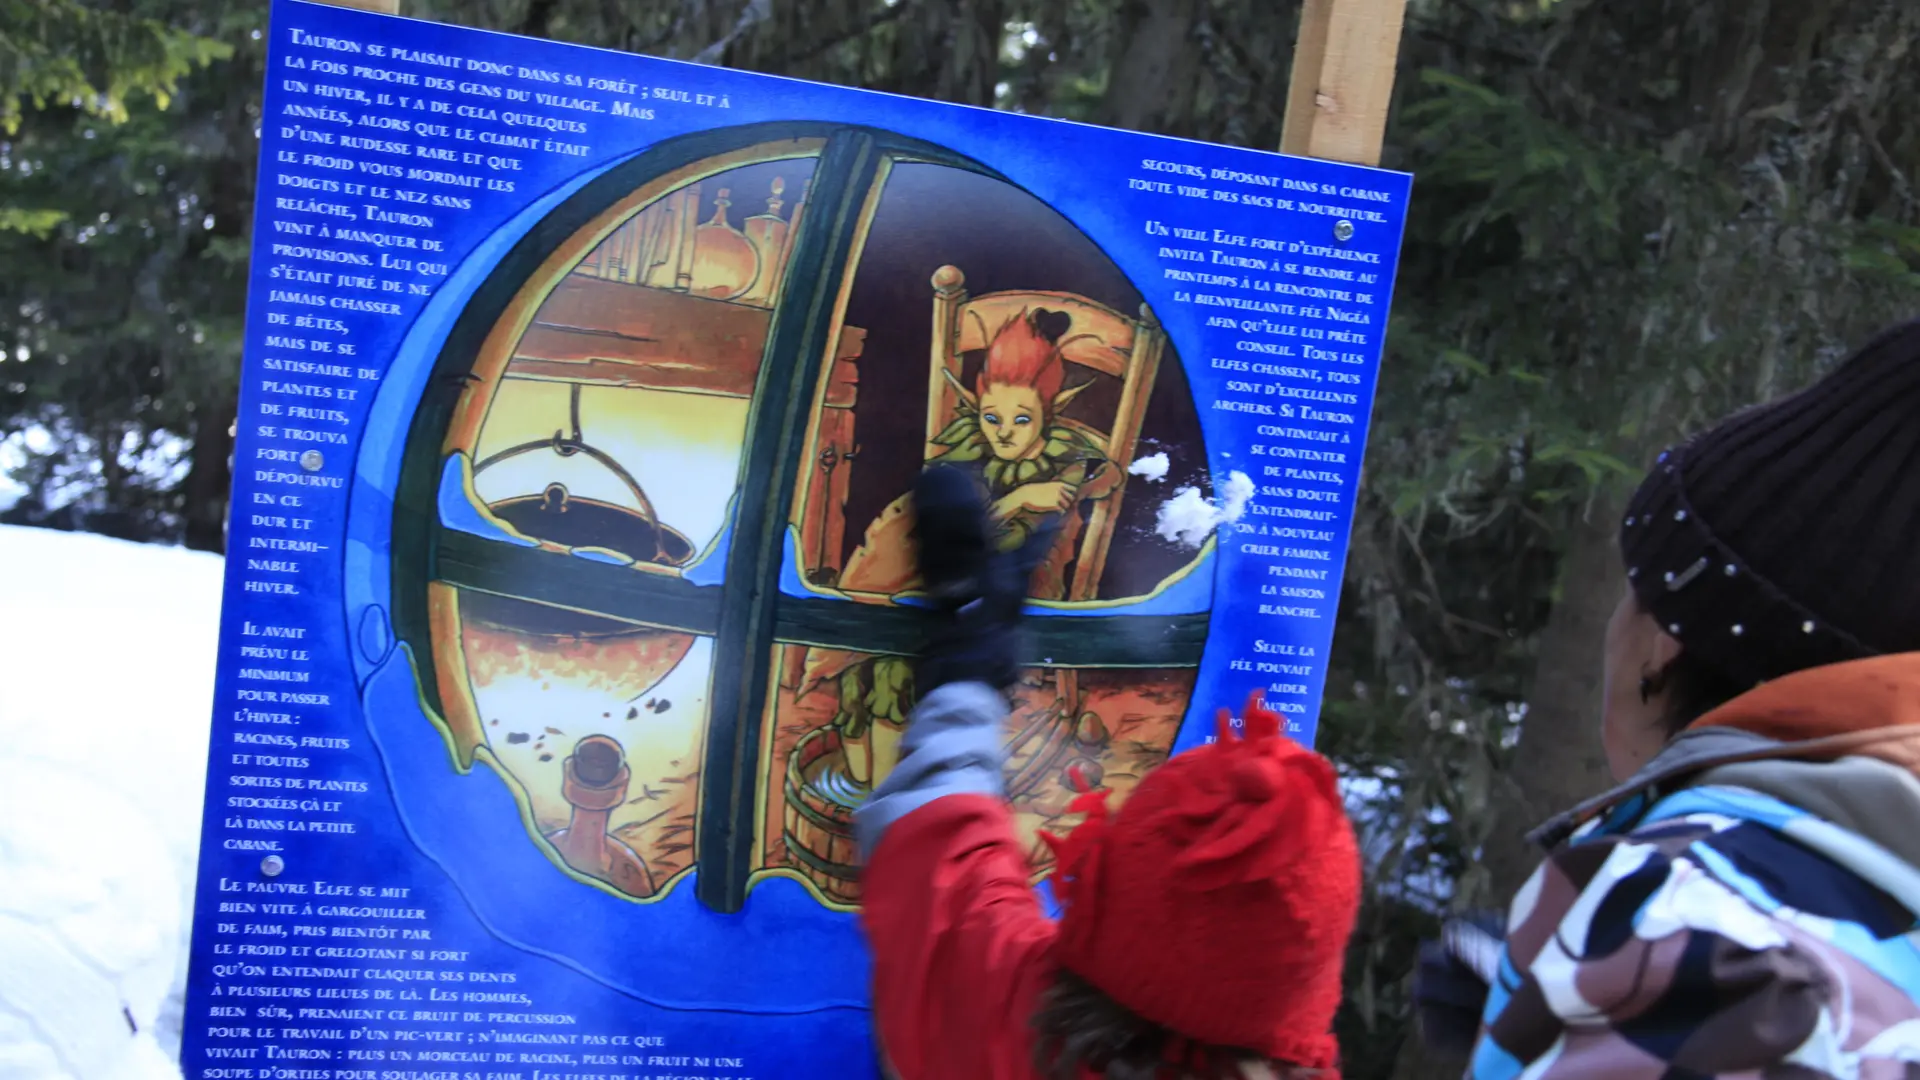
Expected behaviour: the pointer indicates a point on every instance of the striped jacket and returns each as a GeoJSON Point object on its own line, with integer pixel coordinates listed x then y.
{"type": "Point", "coordinates": [1748, 905]}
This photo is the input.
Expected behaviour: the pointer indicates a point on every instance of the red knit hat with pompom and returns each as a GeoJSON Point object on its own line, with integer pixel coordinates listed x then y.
{"type": "Point", "coordinates": [1218, 900]}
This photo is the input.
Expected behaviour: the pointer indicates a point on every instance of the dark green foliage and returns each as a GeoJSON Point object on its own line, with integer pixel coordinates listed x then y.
{"type": "Point", "coordinates": [121, 324]}
{"type": "Point", "coordinates": [96, 58]}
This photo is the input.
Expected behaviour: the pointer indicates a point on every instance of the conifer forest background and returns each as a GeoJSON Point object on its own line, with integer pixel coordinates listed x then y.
{"type": "Point", "coordinates": [1629, 218]}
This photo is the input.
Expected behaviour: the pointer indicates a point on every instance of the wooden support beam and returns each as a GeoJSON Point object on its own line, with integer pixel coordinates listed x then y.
{"type": "Point", "coordinates": [1343, 65]}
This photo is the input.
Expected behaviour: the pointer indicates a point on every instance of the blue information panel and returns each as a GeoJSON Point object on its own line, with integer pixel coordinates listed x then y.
{"type": "Point", "coordinates": [569, 607]}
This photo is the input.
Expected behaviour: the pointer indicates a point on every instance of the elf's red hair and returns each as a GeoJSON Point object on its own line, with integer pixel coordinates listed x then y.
{"type": "Point", "coordinates": [1023, 353]}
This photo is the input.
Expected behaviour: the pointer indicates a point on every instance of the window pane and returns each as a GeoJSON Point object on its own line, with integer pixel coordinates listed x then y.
{"type": "Point", "coordinates": [601, 727]}
{"type": "Point", "coordinates": [829, 745]}
{"type": "Point", "coordinates": [651, 346]}
{"type": "Point", "coordinates": [1006, 252]}
{"type": "Point", "coordinates": [612, 433]}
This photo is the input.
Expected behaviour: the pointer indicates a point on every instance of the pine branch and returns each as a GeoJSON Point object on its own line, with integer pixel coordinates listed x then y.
{"type": "Point", "coordinates": [866, 26]}
{"type": "Point", "coordinates": [755, 13]}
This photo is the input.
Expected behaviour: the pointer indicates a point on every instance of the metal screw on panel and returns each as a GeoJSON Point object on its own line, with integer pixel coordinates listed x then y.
{"type": "Point", "coordinates": [1343, 231]}
{"type": "Point", "coordinates": [311, 461]}
{"type": "Point", "coordinates": [272, 865]}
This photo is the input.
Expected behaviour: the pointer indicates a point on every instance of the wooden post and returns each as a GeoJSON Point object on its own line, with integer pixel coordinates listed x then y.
{"type": "Point", "coordinates": [1343, 65]}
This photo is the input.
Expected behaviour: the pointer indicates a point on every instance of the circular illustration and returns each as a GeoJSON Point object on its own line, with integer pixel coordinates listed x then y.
{"type": "Point", "coordinates": [671, 596]}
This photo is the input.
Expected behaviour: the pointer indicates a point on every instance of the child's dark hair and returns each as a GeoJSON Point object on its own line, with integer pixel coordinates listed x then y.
{"type": "Point", "coordinates": [1077, 1028]}
{"type": "Point", "coordinates": [1693, 690]}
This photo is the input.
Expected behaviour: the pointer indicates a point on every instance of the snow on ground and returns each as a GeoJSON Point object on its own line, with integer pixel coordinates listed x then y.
{"type": "Point", "coordinates": [106, 692]}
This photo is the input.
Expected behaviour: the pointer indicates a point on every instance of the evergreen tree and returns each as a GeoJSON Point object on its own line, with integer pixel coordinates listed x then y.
{"type": "Point", "coordinates": [125, 186]}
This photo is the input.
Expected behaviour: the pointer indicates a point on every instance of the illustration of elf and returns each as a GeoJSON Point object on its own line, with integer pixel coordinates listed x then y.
{"type": "Point", "coordinates": [1008, 431]}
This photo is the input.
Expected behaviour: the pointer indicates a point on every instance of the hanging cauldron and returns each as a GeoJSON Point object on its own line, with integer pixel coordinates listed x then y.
{"type": "Point", "coordinates": [641, 654]}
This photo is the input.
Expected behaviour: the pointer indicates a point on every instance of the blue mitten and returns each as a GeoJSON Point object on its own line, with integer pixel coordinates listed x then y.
{"type": "Point", "coordinates": [979, 591]}
{"type": "Point", "coordinates": [1452, 980]}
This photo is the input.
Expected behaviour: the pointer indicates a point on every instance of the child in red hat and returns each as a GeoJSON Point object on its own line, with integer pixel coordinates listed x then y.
{"type": "Point", "coordinates": [1204, 922]}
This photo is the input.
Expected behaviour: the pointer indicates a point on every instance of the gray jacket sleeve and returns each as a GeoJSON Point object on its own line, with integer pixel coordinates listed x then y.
{"type": "Point", "coordinates": [952, 747]}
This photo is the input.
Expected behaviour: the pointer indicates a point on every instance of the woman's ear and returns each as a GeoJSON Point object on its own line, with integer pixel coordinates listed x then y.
{"type": "Point", "coordinates": [1666, 649]}
{"type": "Point", "coordinates": [1661, 650]}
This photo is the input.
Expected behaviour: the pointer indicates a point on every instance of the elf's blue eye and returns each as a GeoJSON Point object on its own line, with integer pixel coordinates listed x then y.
{"type": "Point", "coordinates": [991, 418]}
{"type": "Point", "coordinates": [1022, 420]}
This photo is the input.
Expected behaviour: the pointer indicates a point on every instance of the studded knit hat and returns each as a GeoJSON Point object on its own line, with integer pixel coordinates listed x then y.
{"type": "Point", "coordinates": [1218, 900]}
{"type": "Point", "coordinates": [1788, 536]}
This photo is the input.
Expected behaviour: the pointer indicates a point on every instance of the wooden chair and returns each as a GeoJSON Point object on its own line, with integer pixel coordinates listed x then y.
{"type": "Point", "coordinates": [1104, 341]}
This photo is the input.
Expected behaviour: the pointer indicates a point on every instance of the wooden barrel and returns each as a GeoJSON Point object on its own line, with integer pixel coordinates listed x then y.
{"type": "Point", "coordinates": [819, 830]}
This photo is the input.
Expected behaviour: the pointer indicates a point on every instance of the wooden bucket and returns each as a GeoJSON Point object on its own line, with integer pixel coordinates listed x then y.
{"type": "Point", "coordinates": [819, 830]}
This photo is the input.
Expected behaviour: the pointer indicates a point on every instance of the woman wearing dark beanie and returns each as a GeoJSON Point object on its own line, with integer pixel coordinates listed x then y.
{"type": "Point", "coordinates": [1204, 920]}
{"type": "Point", "coordinates": [1748, 899]}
